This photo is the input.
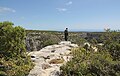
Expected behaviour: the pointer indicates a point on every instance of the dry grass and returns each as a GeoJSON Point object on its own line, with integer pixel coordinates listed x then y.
{"type": "Point", "coordinates": [56, 61]}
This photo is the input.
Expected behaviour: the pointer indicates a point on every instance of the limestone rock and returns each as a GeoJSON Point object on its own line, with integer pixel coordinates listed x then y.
{"type": "Point", "coordinates": [45, 66]}
{"type": "Point", "coordinates": [49, 59]}
{"type": "Point", "coordinates": [65, 43]}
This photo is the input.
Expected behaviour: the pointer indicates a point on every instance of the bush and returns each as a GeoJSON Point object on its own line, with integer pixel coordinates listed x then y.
{"type": "Point", "coordinates": [49, 42]}
{"type": "Point", "coordinates": [114, 49]}
{"type": "Point", "coordinates": [86, 63]}
{"type": "Point", "coordinates": [112, 44]}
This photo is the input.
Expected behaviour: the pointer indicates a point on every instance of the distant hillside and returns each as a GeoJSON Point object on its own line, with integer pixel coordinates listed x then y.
{"type": "Point", "coordinates": [37, 39]}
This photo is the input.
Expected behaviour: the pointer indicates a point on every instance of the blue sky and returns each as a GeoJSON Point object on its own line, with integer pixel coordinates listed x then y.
{"type": "Point", "coordinates": [59, 14]}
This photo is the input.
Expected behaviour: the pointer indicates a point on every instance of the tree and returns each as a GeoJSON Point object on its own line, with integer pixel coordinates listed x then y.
{"type": "Point", "coordinates": [12, 40]}
{"type": "Point", "coordinates": [13, 58]}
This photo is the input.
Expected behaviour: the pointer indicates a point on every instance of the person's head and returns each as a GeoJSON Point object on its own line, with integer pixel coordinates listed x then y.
{"type": "Point", "coordinates": [66, 28]}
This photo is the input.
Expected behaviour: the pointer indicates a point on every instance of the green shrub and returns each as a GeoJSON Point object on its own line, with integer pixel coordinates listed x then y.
{"type": "Point", "coordinates": [49, 42]}
{"type": "Point", "coordinates": [13, 58]}
{"type": "Point", "coordinates": [12, 40]}
{"type": "Point", "coordinates": [112, 44]}
{"type": "Point", "coordinates": [87, 63]}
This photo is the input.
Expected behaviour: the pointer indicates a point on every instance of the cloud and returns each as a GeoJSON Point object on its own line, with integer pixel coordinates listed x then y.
{"type": "Point", "coordinates": [64, 9]}
{"type": "Point", "coordinates": [6, 10]}
{"type": "Point", "coordinates": [69, 3]}
{"type": "Point", "coordinates": [61, 9]}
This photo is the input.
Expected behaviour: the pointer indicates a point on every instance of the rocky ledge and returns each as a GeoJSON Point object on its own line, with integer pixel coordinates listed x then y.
{"type": "Point", "coordinates": [49, 59]}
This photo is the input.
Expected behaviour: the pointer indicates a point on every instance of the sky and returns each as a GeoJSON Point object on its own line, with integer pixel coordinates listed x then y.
{"type": "Point", "coordinates": [59, 14]}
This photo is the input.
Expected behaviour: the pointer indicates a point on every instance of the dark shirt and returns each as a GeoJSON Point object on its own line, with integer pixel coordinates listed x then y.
{"type": "Point", "coordinates": [66, 32]}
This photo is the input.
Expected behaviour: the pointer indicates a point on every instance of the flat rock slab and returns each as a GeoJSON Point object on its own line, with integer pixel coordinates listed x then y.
{"type": "Point", "coordinates": [44, 56]}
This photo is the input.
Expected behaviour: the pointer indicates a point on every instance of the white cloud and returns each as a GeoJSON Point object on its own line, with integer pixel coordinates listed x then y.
{"type": "Point", "coordinates": [6, 10]}
{"type": "Point", "coordinates": [61, 9]}
{"type": "Point", "coordinates": [69, 3]}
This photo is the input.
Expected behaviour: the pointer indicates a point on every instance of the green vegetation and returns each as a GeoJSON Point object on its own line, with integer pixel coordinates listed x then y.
{"type": "Point", "coordinates": [88, 63]}
{"type": "Point", "coordinates": [38, 39]}
{"type": "Point", "coordinates": [104, 62]}
{"type": "Point", "coordinates": [85, 62]}
{"type": "Point", "coordinates": [13, 58]}
{"type": "Point", "coordinates": [112, 44]}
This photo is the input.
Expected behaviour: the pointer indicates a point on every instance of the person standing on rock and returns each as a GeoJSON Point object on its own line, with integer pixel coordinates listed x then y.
{"type": "Point", "coordinates": [66, 34]}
